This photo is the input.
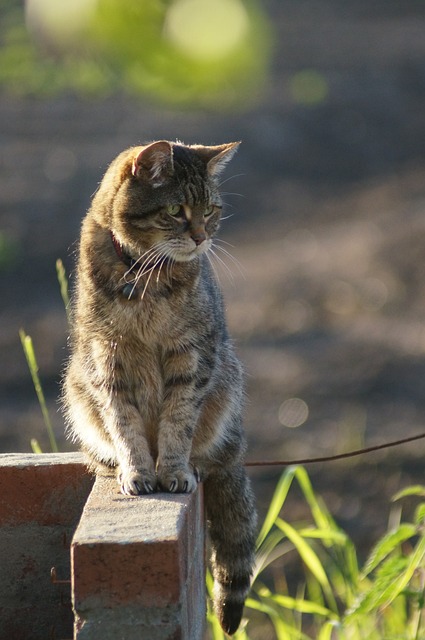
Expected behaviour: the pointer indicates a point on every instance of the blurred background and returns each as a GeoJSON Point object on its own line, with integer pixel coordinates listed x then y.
{"type": "Point", "coordinates": [326, 206]}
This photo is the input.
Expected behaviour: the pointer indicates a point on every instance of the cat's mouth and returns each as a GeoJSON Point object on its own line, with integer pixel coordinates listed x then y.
{"type": "Point", "coordinates": [188, 253]}
{"type": "Point", "coordinates": [153, 261]}
{"type": "Point", "coordinates": [166, 254]}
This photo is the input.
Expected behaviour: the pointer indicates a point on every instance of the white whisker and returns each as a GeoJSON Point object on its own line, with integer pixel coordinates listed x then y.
{"type": "Point", "coordinates": [231, 193]}
{"type": "Point", "coordinates": [164, 258]}
{"type": "Point", "coordinates": [152, 254]}
{"type": "Point", "coordinates": [151, 270]}
{"type": "Point", "coordinates": [146, 255]}
{"type": "Point", "coordinates": [217, 277]}
{"type": "Point", "coordinates": [144, 267]}
{"type": "Point", "coordinates": [232, 258]}
{"type": "Point", "coordinates": [226, 267]}
{"type": "Point", "coordinates": [237, 175]}
{"type": "Point", "coordinates": [224, 242]}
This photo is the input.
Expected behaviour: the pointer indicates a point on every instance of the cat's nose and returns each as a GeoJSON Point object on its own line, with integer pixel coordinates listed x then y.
{"type": "Point", "coordinates": [198, 236]}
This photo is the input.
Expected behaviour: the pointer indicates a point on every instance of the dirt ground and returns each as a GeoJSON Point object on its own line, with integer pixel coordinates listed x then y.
{"type": "Point", "coordinates": [327, 301]}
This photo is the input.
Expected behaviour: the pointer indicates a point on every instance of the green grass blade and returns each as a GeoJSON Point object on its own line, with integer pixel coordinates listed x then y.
{"type": "Point", "coordinates": [276, 503]}
{"type": "Point", "coordinates": [344, 552]}
{"type": "Point", "coordinates": [319, 512]}
{"type": "Point", "coordinates": [370, 601]}
{"type": "Point", "coordinates": [63, 284]}
{"type": "Point", "coordinates": [283, 630]}
{"type": "Point", "coordinates": [33, 367]}
{"type": "Point", "coordinates": [351, 563]}
{"type": "Point", "coordinates": [327, 630]}
{"type": "Point", "coordinates": [420, 514]}
{"type": "Point", "coordinates": [210, 583]}
{"type": "Point", "coordinates": [393, 577]}
{"type": "Point", "coordinates": [328, 535]}
{"type": "Point", "coordinates": [241, 634]}
{"type": "Point", "coordinates": [386, 545]}
{"type": "Point", "coordinates": [217, 632]}
{"type": "Point", "coordinates": [416, 560]}
{"type": "Point", "coordinates": [310, 559]}
{"type": "Point", "coordinates": [302, 605]}
{"type": "Point", "coordinates": [414, 490]}
{"type": "Point", "coordinates": [271, 549]}
{"type": "Point", "coordinates": [35, 446]}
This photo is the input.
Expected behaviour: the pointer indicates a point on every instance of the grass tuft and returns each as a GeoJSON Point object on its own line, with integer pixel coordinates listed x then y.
{"type": "Point", "coordinates": [335, 600]}
{"type": "Point", "coordinates": [28, 348]}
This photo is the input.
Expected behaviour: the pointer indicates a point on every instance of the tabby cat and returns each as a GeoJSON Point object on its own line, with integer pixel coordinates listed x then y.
{"type": "Point", "coordinates": [153, 387]}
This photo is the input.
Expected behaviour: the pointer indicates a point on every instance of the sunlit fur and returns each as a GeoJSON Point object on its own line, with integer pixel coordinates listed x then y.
{"type": "Point", "coordinates": [153, 387]}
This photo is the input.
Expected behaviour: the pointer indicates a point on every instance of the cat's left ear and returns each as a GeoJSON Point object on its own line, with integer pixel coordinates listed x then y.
{"type": "Point", "coordinates": [154, 163]}
{"type": "Point", "coordinates": [217, 157]}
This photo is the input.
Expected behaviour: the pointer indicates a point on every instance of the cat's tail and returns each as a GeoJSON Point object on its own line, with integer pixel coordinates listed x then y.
{"type": "Point", "coordinates": [231, 519]}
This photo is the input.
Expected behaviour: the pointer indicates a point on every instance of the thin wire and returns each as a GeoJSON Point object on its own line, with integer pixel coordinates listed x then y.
{"type": "Point", "coordinates": [339, 456]}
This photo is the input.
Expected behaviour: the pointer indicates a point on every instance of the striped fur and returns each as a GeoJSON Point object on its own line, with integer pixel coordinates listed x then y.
{"type": "Point", "coordinates": [153, 387]}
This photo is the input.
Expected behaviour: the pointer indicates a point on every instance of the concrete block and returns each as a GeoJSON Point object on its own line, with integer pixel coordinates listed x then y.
{"type": "Point", "coordinates": [138, 566]}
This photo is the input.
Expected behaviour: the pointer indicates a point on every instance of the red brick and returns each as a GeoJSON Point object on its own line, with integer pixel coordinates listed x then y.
{"type": "Point", "coordinates": [41, 500]}
{"type": "Point", "coordinates": [41, 488]}
{"type": "Point", "coordinates": [146, 574]}
{"type": "Point", "coordinates": [138, 557]}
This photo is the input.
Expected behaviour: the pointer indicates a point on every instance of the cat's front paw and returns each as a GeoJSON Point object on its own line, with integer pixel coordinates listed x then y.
{"type": "Point", "coordinates": [178, 479]}
{"type": "Point", "coordinates": [135, 483]}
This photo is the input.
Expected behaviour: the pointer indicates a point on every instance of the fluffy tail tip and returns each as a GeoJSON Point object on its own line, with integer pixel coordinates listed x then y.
{"type": "Point", "coordinates": [230, 615]}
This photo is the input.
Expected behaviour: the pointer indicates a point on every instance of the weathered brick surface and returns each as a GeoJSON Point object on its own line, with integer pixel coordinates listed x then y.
{"type": "Point", "coordinates": [138, 566]}
{"type": "Point", "coordinates": [42, 488]}
{"type": "Point", "coordinates": [138, 562]}
{"type": "Point", "coordinates": [41, 500]}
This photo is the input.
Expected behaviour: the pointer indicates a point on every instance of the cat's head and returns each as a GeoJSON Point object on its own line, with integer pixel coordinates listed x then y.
{"type": "Point", "coordinates": [164, 197]}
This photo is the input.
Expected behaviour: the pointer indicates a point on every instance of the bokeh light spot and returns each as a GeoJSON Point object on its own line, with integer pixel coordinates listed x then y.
{"type": "Point", "coordinates": [182, 52]}
{"type": "Point", "coordinates": [341, 298]}
{"type": "Point", "coordinates": [60, 23]}
{"type": "Point", "coordinates": [293, 412]}
{"type": "Point", "coordinates": [206, 29]}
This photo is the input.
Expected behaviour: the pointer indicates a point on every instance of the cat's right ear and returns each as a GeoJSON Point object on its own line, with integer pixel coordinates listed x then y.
{"type": "Point", "coordinates": [217, 157]}
{"type": "Point", "coordinates": [154, 163]}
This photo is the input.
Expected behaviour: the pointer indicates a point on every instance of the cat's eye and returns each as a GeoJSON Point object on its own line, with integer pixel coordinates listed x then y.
{"type": "Point", "coordinates": [210, 210]}
{"type": "Point", "coordinates": [175, 210]}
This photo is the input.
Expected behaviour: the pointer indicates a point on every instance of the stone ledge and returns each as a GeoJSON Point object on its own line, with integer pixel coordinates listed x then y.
{"type": "Point", "coordinates": [24, 460]}
{"type": "Point", "coordinates": [138, 566]}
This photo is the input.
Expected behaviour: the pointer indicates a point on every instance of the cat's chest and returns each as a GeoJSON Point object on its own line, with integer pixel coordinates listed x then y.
{"type": "Point", "coordinates": [156, 319]}
{"type": "Point", "coordinates": [148, 332]}
{"type": "Point", "coordinates": [139, 355]}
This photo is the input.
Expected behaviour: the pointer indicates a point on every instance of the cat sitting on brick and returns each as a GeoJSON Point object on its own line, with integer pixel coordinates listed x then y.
{"type": "Point", "coordinates": [153, 387]}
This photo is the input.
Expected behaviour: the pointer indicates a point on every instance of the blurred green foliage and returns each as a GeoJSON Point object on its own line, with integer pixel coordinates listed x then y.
{"type": "Point", "coordinates": [211, 53]}
{"type": "Point", "coordinates": [336, 599]}
{"type": "Point", "coordinates": [9, 250]}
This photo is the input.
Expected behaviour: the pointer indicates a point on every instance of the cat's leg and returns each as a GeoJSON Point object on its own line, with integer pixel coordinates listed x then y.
{"type": "Point", "coordinates": [174, 472]}
{"type": "Point", "coordinates": [136, 469]}
{"type": "Point", "coordinates": [110, 429]}
{"type": "Point", "coordinates": [231, 518]}
{"type": "Point", "coordinates": [179, 414]}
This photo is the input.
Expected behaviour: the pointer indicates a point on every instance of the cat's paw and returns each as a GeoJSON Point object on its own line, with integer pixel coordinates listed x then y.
{"type": "Point", "coordinates": [135, 483]}
{"type": "Point", "coordinates": [178, 479]}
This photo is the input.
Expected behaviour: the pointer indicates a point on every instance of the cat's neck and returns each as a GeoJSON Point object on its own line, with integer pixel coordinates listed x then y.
{"type": "Point", "coordinates": [122, 254]}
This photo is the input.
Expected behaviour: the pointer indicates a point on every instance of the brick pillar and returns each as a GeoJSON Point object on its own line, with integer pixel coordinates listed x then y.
{"type": "Point", "coordinates": [41, 501]}
{"type": "Point", "coordinates": [138, 566]}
